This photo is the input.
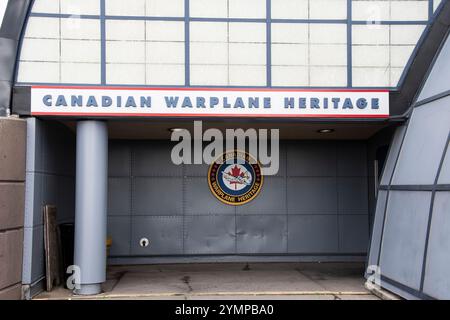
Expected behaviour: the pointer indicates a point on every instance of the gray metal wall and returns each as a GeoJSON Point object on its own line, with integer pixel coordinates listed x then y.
{"type": "Point", "coordinates": [317, 205]}
{"type": "Point", "coordinates": [50, 179]}
{"type": "Point", "coordinates": [411, 236]}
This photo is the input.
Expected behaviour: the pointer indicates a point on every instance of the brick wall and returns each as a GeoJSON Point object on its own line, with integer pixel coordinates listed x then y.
{"type": "Point", "coordinates": [12, 190]}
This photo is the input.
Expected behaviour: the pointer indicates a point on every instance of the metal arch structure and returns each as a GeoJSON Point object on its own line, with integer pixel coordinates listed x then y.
{"type": "Point", "coordinates": [419, 63]}
{"type": "Point", "coordinates": [425, 181]}
{"type": "Point", "coordinates": [402, 100]}
{"type": "Point", "coordinates": [11, 33]}
{"type": "Point", "coordinates": [401, 96]}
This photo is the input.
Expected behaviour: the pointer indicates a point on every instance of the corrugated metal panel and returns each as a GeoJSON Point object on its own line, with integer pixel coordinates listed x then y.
{"type": "Point", "coordinates": [297, 212]}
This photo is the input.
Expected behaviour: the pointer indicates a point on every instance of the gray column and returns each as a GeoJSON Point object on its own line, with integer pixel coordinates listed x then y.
{"type": "Point", "coordinates": [90, 204]}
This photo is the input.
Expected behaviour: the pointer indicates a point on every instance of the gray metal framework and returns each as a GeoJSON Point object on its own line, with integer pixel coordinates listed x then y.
{"type": "Point", "coordinates": [435, 97]}
{"type": "Point", "coordinates": [349, 22]}
{"type": "Point", "coordinates": [11, 31]}
{"type": "Point", "coordinates": [430, 188]}
{"type": "Point", "coordinates": [433, 188]}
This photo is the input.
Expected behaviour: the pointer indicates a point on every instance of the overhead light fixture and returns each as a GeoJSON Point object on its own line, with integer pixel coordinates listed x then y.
{"type": "Point", "coordinates": [176, 129]}
{"type": "Point", "coordinates": [325, 130]}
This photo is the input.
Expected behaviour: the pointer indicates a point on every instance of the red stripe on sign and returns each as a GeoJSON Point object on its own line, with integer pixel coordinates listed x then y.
{"type": "Point", "coordinates": [99, 114]}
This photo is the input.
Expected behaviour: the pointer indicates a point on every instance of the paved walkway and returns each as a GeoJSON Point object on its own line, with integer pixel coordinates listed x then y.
{"type": "Point", "coordinates": [240, 281]}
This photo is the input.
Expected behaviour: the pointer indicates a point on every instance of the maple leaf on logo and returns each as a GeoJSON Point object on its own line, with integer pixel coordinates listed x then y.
{"type": "Point", "coordinates": [236, 172]}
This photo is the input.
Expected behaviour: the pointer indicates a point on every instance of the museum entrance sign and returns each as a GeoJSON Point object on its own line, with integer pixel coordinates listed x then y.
{"type": "Point", "coordinates": [208, 102]}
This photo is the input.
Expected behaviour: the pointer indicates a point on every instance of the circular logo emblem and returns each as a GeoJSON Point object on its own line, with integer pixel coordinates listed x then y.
{"type": "Point", "coordinates": [235, 178]}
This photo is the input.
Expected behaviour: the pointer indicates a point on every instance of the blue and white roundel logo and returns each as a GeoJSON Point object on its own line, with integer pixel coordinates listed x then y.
{"type": "Point", "coordinates": [235, 178]}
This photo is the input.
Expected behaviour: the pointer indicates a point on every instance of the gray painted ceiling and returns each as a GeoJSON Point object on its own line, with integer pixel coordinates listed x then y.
{"type": "Point", "coordinates": [159, 130]}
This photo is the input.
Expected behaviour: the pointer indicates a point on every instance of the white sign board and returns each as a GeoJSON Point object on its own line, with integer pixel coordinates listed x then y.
{"type": "Point", "coordinates": [208, 102]}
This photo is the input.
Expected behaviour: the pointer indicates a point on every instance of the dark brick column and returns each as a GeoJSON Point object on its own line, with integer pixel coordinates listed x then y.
{"type": "Point", "coordinates": [12, 202]}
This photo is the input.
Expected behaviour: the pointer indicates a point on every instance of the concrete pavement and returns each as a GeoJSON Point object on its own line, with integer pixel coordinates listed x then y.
{"type": "Point", "coordinates": [240, 281]}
